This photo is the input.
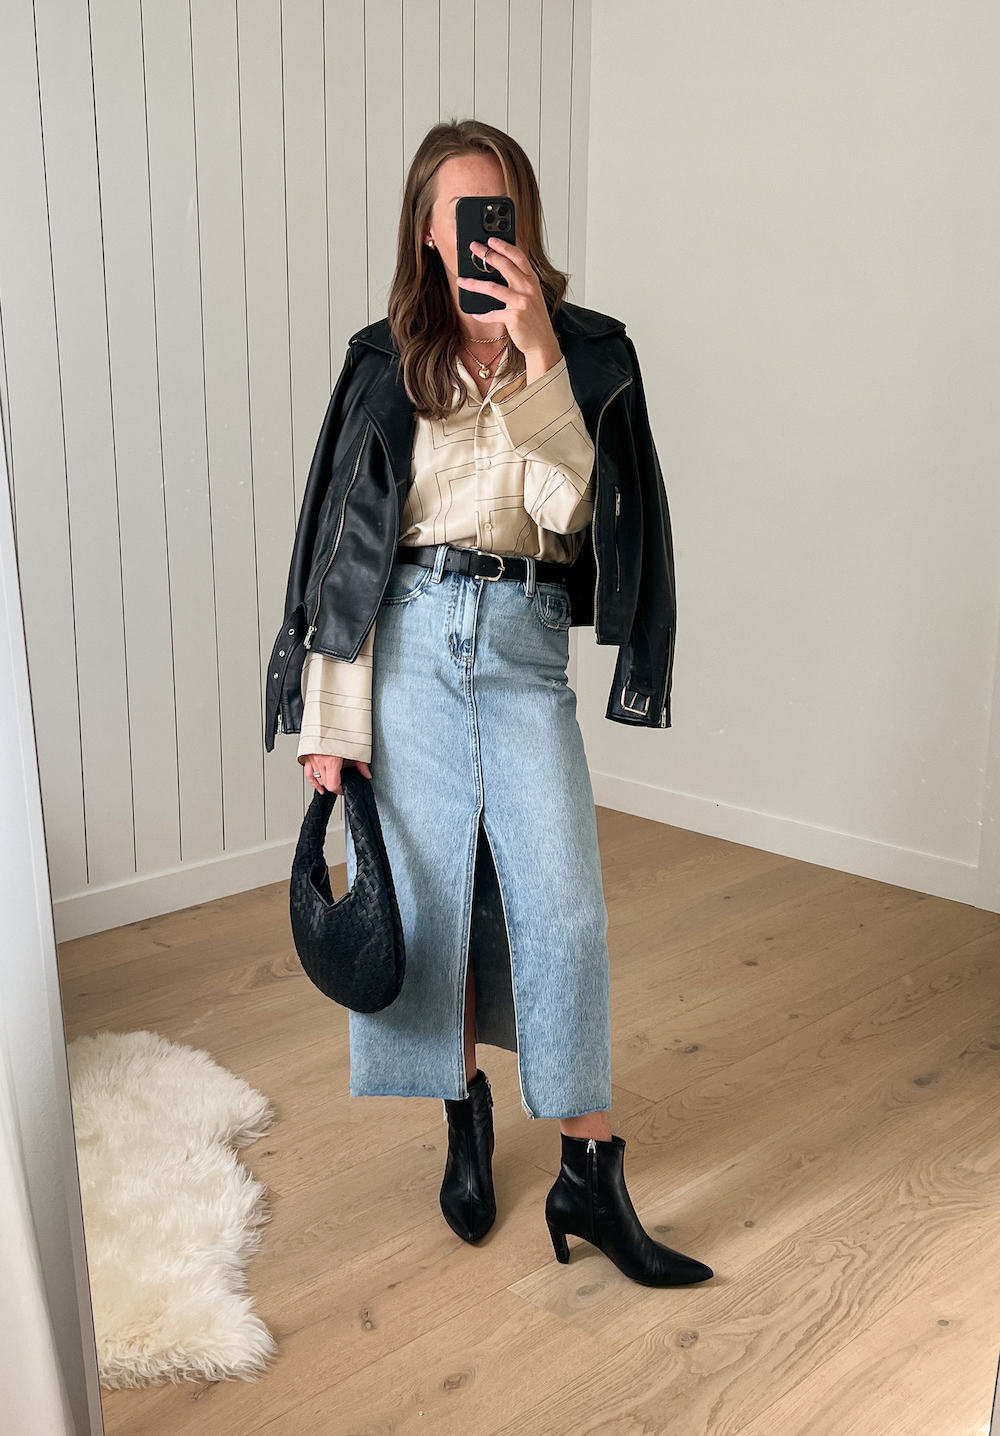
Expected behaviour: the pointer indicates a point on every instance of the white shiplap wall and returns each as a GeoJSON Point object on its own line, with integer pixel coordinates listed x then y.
{"type": "Point", "coordinates": [200, 204]}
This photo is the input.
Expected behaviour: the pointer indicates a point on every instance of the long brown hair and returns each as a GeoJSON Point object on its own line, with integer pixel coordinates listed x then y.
{"type": "Point", "coordinates": [421, 312]}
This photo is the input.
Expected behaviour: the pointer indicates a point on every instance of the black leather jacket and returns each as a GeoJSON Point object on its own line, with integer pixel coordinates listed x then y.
{"type": "Point", "coordinates": [622, 580]}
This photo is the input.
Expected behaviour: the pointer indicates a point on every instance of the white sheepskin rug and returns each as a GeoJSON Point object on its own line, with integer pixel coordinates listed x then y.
{"type": "Point", "coordinates": [171, 1216]}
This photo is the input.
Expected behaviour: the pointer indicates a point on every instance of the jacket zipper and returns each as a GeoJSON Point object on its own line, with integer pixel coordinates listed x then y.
{"type": "Point", "coordinates": [670, 657]}
{"type": "Point", "coordinates": [592, 1174]}
{"type": "Point", "coordinates": [618, 566]}
{"type": "Point", "coordinates": [340, 528]}
{"type": "Point", "coordinates": [593, 521]}
{"type": "Point", "coordinates": [385, 581]}
{"type": "Point", "coordinates": [392, 560]}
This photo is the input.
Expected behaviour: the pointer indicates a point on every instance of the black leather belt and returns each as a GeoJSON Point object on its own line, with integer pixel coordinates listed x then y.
{"type": "Point", "coordinates": [481, 564]}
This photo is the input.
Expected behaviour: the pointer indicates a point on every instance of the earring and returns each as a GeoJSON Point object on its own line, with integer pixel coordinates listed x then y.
{"type": "Point", "coordinates": [430, 244]}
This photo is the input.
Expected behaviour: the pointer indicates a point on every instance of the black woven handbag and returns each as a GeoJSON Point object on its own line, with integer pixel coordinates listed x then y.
{"type": "Point", "coordinates": [350, 947]}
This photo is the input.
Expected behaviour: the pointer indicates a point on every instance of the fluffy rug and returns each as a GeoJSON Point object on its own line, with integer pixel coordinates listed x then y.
{"type": "Point", "coordinates": [171, 1216]}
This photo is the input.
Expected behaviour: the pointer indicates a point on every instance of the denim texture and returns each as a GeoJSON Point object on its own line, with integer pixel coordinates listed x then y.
{"type": "Point", "coordinates": [474, 725]}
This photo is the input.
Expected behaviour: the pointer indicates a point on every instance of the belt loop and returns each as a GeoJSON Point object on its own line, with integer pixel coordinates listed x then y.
{"type": "Point", "coordinates": [529, 581]}
{"type": "Point", "coordinates": [439, 558]}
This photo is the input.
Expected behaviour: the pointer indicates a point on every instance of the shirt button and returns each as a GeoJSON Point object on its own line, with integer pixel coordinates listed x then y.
{"type": "Point", "coordinates": [482, 463]}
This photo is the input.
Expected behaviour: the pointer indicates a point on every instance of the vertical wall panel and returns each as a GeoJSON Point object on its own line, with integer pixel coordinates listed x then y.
{"type": "Point", "coordinates": [524, 103]}
{"type": "Point", "coordinates": [492, 61]}
{"type": "Point", "coordinates": [269, 357]}
{"type": "Point", "coordinates": [305, 218]}
{"type": "Point", "coordinates": [202, 206]}
{"type": "Point", "coordinates": [238, 624]}
{"type": "Point", "coordinates": [36, 454]}
{"type": "Point", "coordinates": [384, 121]}
{"type": "Point", "coordinates": [150, 759]}
{"type": "Point", "coordinates": [180, 358]}
{"type": "Point", "coordinates": [457, 29]}
{"type": "Point", "coordinates": [91, 478]}
{"type": "Point", "coordinates": [553, 166]}
{"type": "Point", "coordinates": [421, 71]}
{"type": "Point", "coordinates": [579, 131]}
{"type": "Point", "coordinates": [346, 179]}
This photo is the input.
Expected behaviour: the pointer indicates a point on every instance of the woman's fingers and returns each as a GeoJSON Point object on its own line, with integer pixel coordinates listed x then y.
{"type": "Point", "coordinates": [329, 772]}
{"type": "Point", "coordinates": [508, 255]}
{"type": "Point", "coordinates": [515, 301]}
{"type": "Point", "coordinates": [512, 273]}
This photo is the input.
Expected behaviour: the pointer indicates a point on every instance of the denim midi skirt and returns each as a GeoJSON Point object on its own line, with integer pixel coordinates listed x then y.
{"type": "Point", "coordinates": [484, 797]}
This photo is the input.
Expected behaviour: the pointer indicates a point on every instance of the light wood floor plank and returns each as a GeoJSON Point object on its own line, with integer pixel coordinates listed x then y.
{"type": "Point", "coordinates": [725, 1352]}
{"type": "Point", "coordinates": [805, 1068]}
{"type": "Point", "coordinates": [926, 1366]}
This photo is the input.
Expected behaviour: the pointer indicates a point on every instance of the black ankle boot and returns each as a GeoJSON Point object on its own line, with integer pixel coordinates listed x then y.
{"type": "Point", "coordinates": [589, 1199]}
{"type": "Point", "coordinates": [467, 1197]}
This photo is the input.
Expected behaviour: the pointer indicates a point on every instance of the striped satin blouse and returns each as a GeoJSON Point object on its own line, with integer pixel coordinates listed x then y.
{"type": "Point", "coordinates": [508, 473]}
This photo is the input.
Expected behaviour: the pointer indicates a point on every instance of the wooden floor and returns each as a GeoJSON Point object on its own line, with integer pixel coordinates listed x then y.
{"type": "Point", "coordinates": [806, 1070]}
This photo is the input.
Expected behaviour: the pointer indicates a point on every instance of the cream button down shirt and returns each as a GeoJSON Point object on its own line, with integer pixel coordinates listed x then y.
{"type": "Point", "coordinates": [510, 473]}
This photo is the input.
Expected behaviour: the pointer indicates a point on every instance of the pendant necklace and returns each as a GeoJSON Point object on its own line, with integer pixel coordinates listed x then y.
{"type": "Point", "coordinates": [484, 368]}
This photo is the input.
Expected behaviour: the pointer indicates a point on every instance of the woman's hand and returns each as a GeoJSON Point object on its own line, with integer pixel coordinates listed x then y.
{"type": "Point", "coordinates": [524, 314]}
{"type": "Point", "coordinates": [329, 771]}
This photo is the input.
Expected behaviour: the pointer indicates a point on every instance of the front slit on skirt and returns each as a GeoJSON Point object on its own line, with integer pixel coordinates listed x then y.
{"type": "Point", "coordinates": [484, 797]}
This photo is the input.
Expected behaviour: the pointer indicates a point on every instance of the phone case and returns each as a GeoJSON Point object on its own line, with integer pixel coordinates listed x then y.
{"type": "Point", "coordinates": [478, 217]}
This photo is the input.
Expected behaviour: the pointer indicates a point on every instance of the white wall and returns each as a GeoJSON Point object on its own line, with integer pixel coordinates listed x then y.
{"type": "Point", "coordinates": [198, 210]}
{"type": "Point", "coordinates": [48, 1361]}
{"type": "Point", "coordinates": [792, 207]}
{"type": "Point", "coordinates": [795, 209]}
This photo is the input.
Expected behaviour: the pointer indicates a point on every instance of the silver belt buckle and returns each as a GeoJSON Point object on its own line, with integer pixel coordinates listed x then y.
{"type": "Point", "coordinates": [492, 577]}
{"type": "Point", "coordinates": [631, 708]}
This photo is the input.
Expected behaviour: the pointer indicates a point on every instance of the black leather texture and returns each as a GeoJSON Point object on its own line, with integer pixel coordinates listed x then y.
{"type": "Point", "coordinates": [622, 581]}
{"type": "Point", "coordinates": [351, 947]}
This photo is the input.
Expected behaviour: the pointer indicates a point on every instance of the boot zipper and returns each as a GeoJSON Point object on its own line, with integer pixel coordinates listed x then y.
{"type": "Point", "coordinates": [592, 1173]}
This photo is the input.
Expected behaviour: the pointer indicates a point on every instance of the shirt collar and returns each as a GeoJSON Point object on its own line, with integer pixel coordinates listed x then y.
{"type": "Point", "coordinates": [504, 370]}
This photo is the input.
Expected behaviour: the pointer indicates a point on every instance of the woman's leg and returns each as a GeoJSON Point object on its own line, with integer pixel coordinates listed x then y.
{"type": "Point", "coordinates": [591, 1124]}
{"type": "Point", "coordinates": [470, 1025]}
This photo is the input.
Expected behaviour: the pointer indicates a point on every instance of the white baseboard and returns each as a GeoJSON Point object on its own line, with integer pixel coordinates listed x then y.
{"type": "Point", "coordinates": [101, 908]}
{"type": "Point", "coordinates": [98, 909]}
{"type": "Point", "coordinates": [846, 852]}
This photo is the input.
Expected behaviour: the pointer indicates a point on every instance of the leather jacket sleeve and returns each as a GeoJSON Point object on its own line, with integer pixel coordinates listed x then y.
{"type": "Point", "coordinates": [283, 697]}
{"type": "Point", "coordinates": [317, 484]}
{"type": "Point", "coordinates": [644, 672]}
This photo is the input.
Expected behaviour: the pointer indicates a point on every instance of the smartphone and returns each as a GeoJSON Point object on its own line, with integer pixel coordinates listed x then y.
{"type": "Point", "coordinates": [477, 217]}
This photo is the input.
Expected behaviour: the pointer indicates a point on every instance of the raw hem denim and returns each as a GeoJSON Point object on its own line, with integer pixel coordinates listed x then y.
{"type": "Point", "coordinates": [474, 727]}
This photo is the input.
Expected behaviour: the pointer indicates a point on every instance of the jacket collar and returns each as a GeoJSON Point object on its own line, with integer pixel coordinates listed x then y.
{"type": "Point", "coordinates": [596, 372]}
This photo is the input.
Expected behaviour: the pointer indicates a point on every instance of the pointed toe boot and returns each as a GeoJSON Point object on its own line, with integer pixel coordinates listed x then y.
{"type": "Point", "coordinates": [467, 1197]}
{"type": "Point", "coordinates": [589, 1199]}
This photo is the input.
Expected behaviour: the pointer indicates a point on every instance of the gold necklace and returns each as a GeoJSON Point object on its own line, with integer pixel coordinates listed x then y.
{"type": "Point", "coordinates": [484, 369]}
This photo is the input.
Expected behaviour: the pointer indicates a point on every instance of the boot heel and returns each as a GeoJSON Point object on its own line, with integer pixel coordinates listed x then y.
{"type": "Point", "coordinates": [559, 1242]}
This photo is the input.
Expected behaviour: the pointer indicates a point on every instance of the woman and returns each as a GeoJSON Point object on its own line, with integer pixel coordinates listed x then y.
{"type": "Point", "coordinates": [457, 708]}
